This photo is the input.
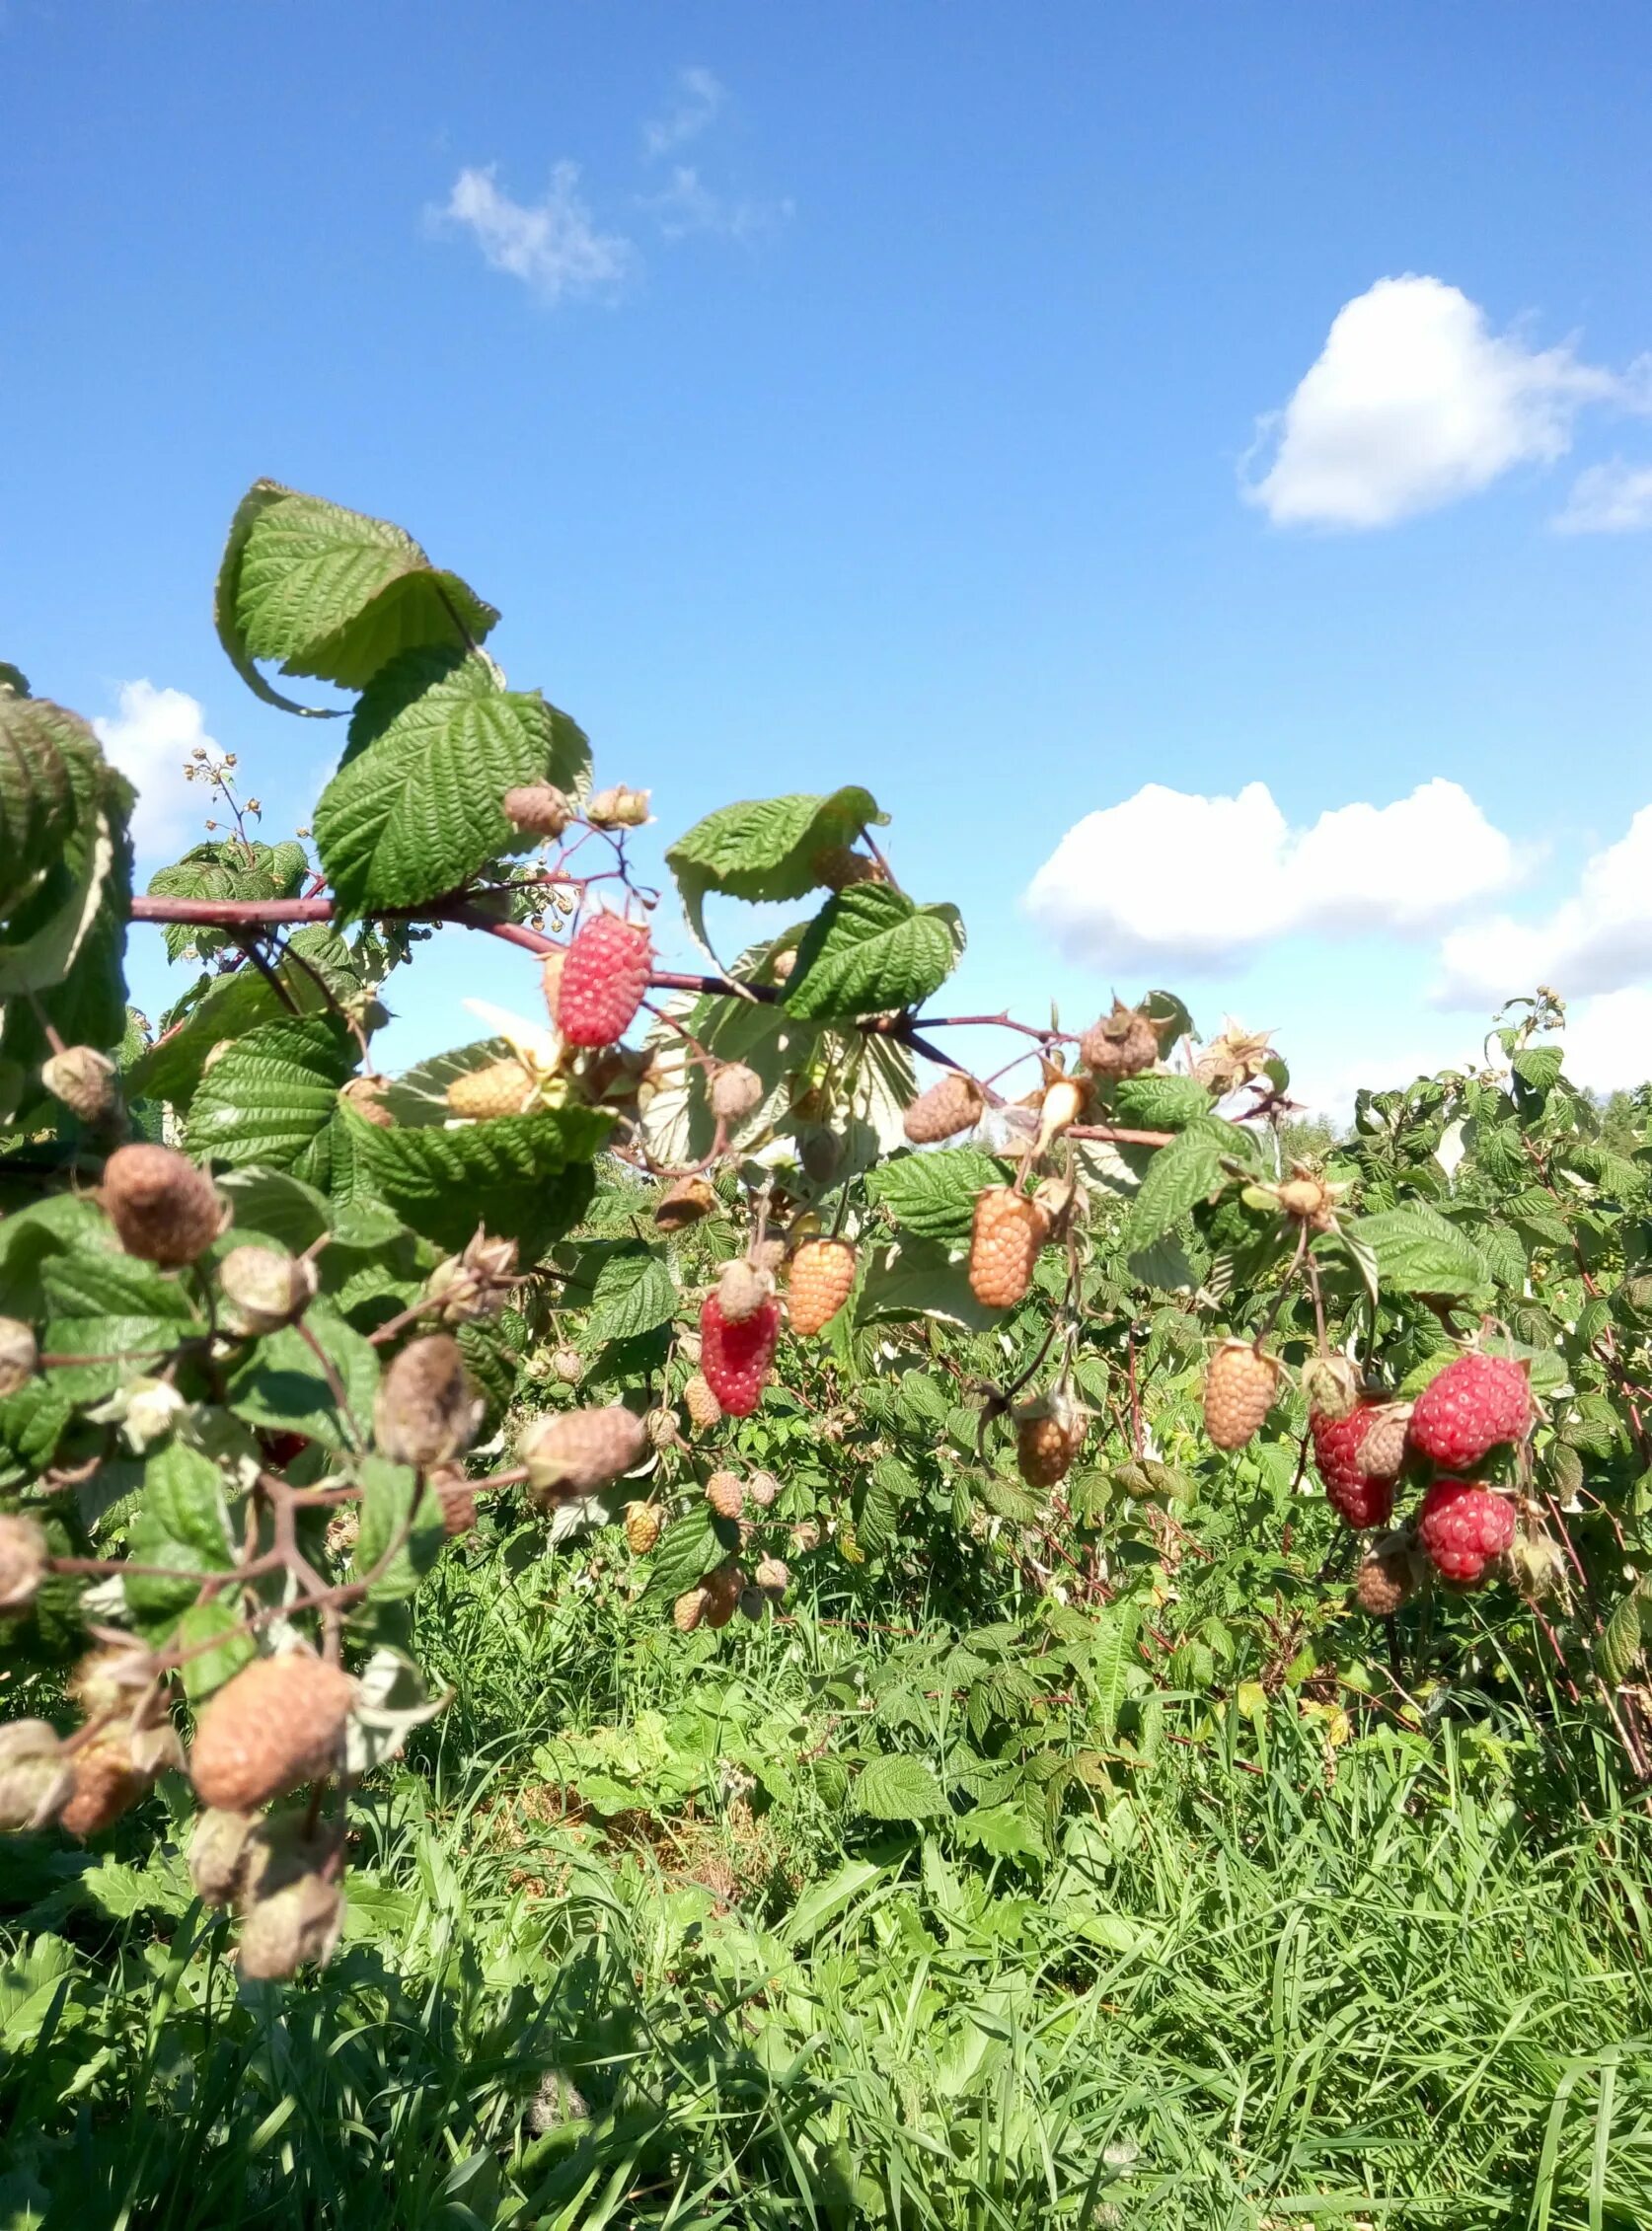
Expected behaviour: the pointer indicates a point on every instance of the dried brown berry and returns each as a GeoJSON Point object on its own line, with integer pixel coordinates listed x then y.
{"type": "Point", "coordinates": [806, 1535]}
{"type": "Point", "coordinates": [275, 1725]}
{"type": "Point", "coordinates": [1122, 1044]}
{"type": "Point", "coordinates": [1008, 1230]}
{"type": "Point", "coordinates": [722, 1593]}
{"type": "Point", "coordinates": [1389, 1575]}
{"type": "Point", "coordinates": [838, 867]}
{"type": "Point", "coordinates": [266, 1287]}
{"type": "Point", "coordinates": [689, 1609]}
{"type": "Point", "coordinates": [427, 1411]}
{"type": "Point", "coordinates": [643, 1526]}
{"type": "Point", "coordinates": [702, 1406]}
{"type": "Point", "coordinates": [539, 807]}
{"type": "Point", "coordinates": [106, 1784]}
{"type": "Point", "coordinates": [296, 1926]}
{"type": "Point", "coordinates": [35, 1778]}
{"type": "Point", "coordinates": [24, 1554]}
{"type": "Point", "coordinates": [686, 1202]}
{"type": "Point", "coordinates": [84, 1080]}
{"type": "Point", "coordinates": [957, 1103]}
{"type": "Point", "coordinates": [736, 1092]}
{"type": "Point", "coordinates": [742, 1290]}
{"type": "Point", "coordinates": [580, 1450]}
{"type": "Point", "coordinates": [1048, 1437]}
{"type": "Point", "coordinates": [821, 1280]}
{"type": "Point", "coordinates": [162, 1206]}
{"type": "Point", "coordinates": [20, 1356]}
{"type": "Point", "coordinates": [661, 1428]}
{"type": "Point", "coordinates": [1240, 1386]}
{"type": "Point", "coordinates": [725, 1495]}
{"type": "Point", "coordinates": [218, 1852]}
{"type": "Point", "coordinates": [476, 1283]}
{"type": "Point", "coordinates": [501, 1089]}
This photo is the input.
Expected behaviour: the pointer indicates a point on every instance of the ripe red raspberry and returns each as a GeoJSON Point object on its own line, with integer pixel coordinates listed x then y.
{"type": "Point", "coordinates": [1474, 1404]}
{"type": "Point", "coordinates": [1360, 1499]}
{"type": "Point", "coordinates": [1463, 1526]}
{"type": "Point", "coordinates": [822, 1274]}
{"type": "Point", "coordinates": [603, 979]}
{"type": "Point", "coordinates": [735, 1359]}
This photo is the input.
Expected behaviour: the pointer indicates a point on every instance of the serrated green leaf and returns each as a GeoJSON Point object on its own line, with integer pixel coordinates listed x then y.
{"type": "Point", "coordinates": [688, 1549]}
{"type": "Point", "coordinates": [888, 1489]}
{"type": "Point", "coordinates": [215, 1646]}
{"type": "Point", "coordinates": [1418, 1251]}
{"type": "Point", "coordinates": [1617, 1644]}
{"type": "Point", "coordinates": [921, 1403]}
{"type": "Point", "coordinates": [934, 1194]}
{"type": "Point", "coordinates": [274, 1205]}
{"type": "Point", "coordinates": [281, 1383]}
{"type": "Point", "coordinates": [414, 811]}
{"type": "Point", "coordinates": [765, 847]}
{"type": "Point", "coordinates": [114, 1308]}
{"type": "Point", "coordinates": [634, 1293]}
{"type": "Point", "coordinates": [1537, 1067]}
{"type": "Point", "coordinates": [233, 1004]}
{"type": "Point", "coordinates": [402, 1532]}
{"type": "Point", "coordinates": [331, 593]}
{"type": "Point", "coordinates": [266, 1102]}
{"type": "Point", "coordinates": [47, 757]}
{"type": "Point", "coordinates": [870, 949]}
{"type": "Point", "coordinates": [1178, 1177]}
{"type": "Point", "coordinates": [1160, 1102]}
{"type": "Point", "coordinates": [898, 1789]}
{"type": "Point", "coordinates": [916, 1278]}
{"type": "Point", "coordinates": [181, 1523]}
{"type": "Point", "coordinates": [525, 1177]}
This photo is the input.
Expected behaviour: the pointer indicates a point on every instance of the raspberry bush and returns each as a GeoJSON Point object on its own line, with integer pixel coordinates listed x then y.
{"type": "Point", "coordinates": [740, 1260]}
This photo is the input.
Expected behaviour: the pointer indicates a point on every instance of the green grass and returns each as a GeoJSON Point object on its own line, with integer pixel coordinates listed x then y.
{"type": "Point", "coordinates": [1253, 1982]}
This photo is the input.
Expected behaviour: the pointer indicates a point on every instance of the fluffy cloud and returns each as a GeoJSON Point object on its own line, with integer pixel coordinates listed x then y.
{"type": "Point", "coordinates": [1608, 1040]}
{"type": "Point", "coordinates": [1201, 882]}
{"type": "Point", "coordinates": [1608, 499]}
{"type": "Point", "coordinates": [688, 205]}
{"type": "Point", "coordinates": [1598, 941]}
{"type": "Point", "coordinates": [700, 95]}
{"type": "Point", "coordinates": [552, 246]}
{"type": "Point", "coordinates": [150, 739]}
{"type": "Point", "coordinates": [1414, 402]}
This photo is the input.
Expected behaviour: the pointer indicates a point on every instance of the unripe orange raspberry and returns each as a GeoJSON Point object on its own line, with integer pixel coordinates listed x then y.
{"type": "Point", "coordinates": [1048, 1437]}
{"type": "Point", "coordinates": [761, 1488]}
{"type": "Point", "coordinates": [501, 1089]}
{"type": "Point", "coordinates": [365, 1094]}
{"type": "Point", "coordinates": [725, 1495]}
{"type": "Point", "coordinates": [539, 807]}
{"type": "Point", "coordinates": [1239, 1387]}
{"type": "Point", "coordinates": [1308, 1198]}
{"type": "Point", "coordinates": [742, 1290]}
{"type": "Point", "coordinates": [84, 1080]}
{"type": "Point", "coordinates": [686, 1202]}
{"type": "Point", "coordinates": [689, 1609]}
{"type": "Point", "coordinates": [1004, 1247]}
{"type": "Point", "coordinates": [736, 1092]}
{"type": "Point", "coordinates": [20, 1356]}
{"type": "Point", "coordinates": [163, 1208]}
{"type": "Point", "coordinates": [23, 1552]}
{"type": "Point", "coordinates": [1122, 1044]}
{"type": "Point", "coordinates": [643, 1526]}
{"type": "Point", "coordinates": [957, 1103]}
{"type": "Point", "coordinates": [427, 1411]}
{"type": "Point", "coordinates": [580, 1450]}
{"type": "Point", "coordinates": [702, 1406]}
{"type": "Point", "coordinates": [822, 1276]}
{"type": "Point", "coordinates": [1061, 1105]}
{"type": "Point", "coordinates": [276, 1724]}
{"type": "Point", "coordinates": [1380, 1449]}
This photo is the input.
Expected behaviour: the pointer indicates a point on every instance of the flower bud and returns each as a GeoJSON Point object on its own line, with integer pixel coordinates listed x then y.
{"type": "Point", "coordinates": [476, 1283]}
{"type": "Point", "coordinates": [265, 1288]}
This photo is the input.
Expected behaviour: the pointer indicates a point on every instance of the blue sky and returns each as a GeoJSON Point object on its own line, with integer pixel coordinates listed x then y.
{"type": "Point", "coordinates": [1002, 407]}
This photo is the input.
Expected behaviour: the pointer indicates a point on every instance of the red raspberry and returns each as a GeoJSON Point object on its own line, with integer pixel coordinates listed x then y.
{"type": "Point", "coordinates": [1359, 1498]}
{"type": "Point", "coordinates": [604, 976]}
{"type": "Point", "coordinates": [735, 1359]}
{"type": "Point", "coordinates": [1463, 1526]}
{"type": "Point", "coordinates": [1474, 1404]}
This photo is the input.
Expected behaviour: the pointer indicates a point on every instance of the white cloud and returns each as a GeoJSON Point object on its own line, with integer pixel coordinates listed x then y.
{"type": "Point", "coordinates": [150, 740]}
{"type": "Point", "coordinates": [700, 95]}
{"type": "Point", "coordinates": [1598, 941]}
{"type": "Point", "coordinates": [1414, 402]}
{"type": "Point", "coordinates": [1608, 1040]}
{"type": "Point", "coordinates": [1608, 500]}
{"type": "Point", "coordinates": [1201, 882]}
{"type": "Point", "coordinates": [553, 245]}
{"type": "Point", "coordinates": [688, 205]}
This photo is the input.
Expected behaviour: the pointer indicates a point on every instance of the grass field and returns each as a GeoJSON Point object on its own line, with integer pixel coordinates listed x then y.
{"type": "Point", "coordinates": [672, 1973]}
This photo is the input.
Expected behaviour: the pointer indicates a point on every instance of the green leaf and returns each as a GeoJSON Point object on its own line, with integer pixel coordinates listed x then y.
{"type": "Point", "coordinates": [111, 1306]}
{"type": "Point", "coordinates": [267, 1100]}
{"type": "Point", "coordinates": [225, 868]}
{"type": "Point", "coordinates": [888, 1490]}
{"type": "Point", "coordinates": [275, 1206]}
{"type": "Point", "coordinates": [916, 1278]}
{"type": "Point", "coordinates": [414, 811]}
{"type": "Point", "coordinates": [765, 847]}
{"type": "Point", "coordinates": [1159, 1103]}
{"type": "Point", "coordinates": [402, 1532]}
{"type": "Point", "coordinates": [47, 760]}
{"type": "Point", "coordinates": [870, 949]}
{"type": "Point", "coordinates": [634, 1293]}
{"type": "Point", "coordinates": [1418, 1251]}
{"type": "Point", "coordinates": [685, 1554]}
{"type": "Point", "coordinates": [898, 1789]}
{"type": "Point", "coordinates": [1111, 1658]}
{"type": "Point", "coordinates": [331, 593]}
{"type": "Point", "coordinates": [181, 1523]}
{"type": "Point", "coordinates": [1537, 1067]}
{"type": "Point", "coordinates": [61, 1223]}
{"type": "Point", "coordinates": [1178, 1178]}
{"type": "Point", "coordinates": [525, 1177]}
{"type": "Point", "coordinates": [216, 1647]}
{"type": "Point", "coordinates": [1617, 1646]}
{"type": "Point", "coordinates": [934, 1194]}
{"type": "Point", "coordinates": [280, 1382]}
